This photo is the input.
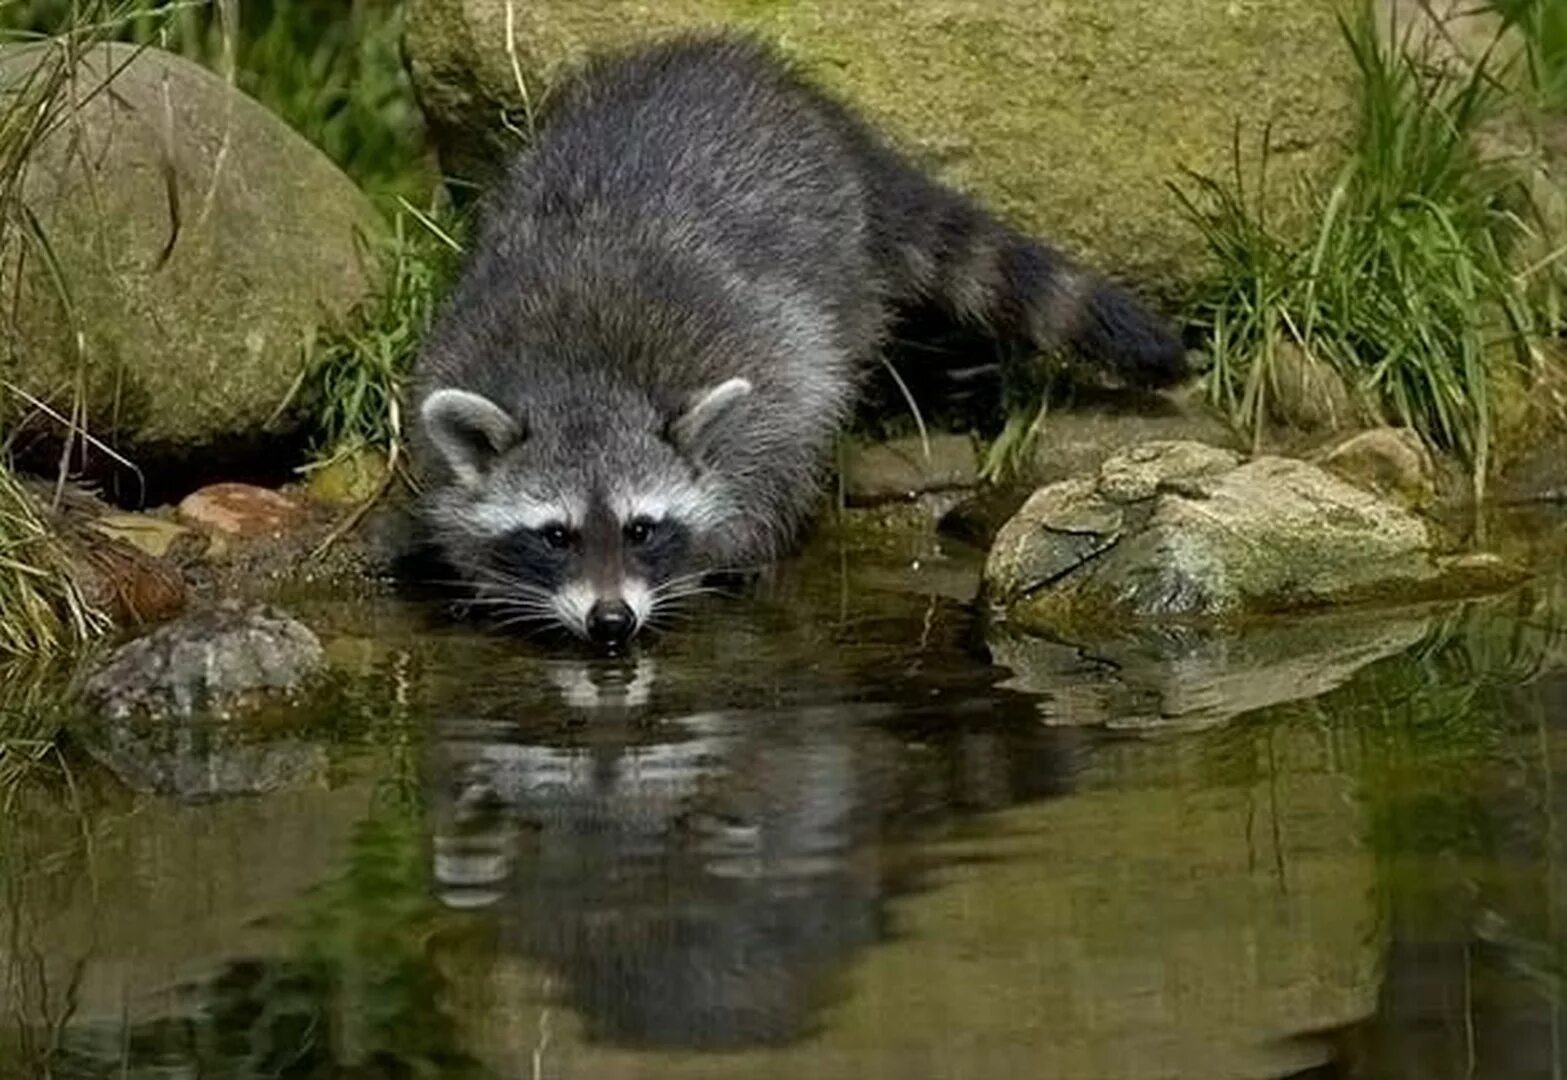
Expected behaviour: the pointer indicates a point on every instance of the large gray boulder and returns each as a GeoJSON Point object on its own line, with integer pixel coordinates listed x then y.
{"type": "Point", "coordinates": [200, 241]}
{"type": "Point", "coordinates": [1181, 531]}
{"type": "Point", "coordinates": [1070, 117]}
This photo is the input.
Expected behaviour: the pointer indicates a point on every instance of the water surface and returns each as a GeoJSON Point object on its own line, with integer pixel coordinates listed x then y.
{"type": "Point", "coordinates": [840, 828]}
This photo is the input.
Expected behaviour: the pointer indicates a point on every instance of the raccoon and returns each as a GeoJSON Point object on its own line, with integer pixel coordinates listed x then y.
{"type": "Point", "coordinates": [665, 319]}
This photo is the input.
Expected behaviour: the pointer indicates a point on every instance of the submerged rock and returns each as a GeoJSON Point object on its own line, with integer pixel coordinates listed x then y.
{"type": "Point", "coordinates": [192, 761]}
{"type": "Point", "coordinates": [217, 661]}
{"type": "Point", "coordinates": [202, 241]}
{"type": "Point", "coordinates": [1181, 532]}
{"type": "Point", "coordinates": [1103, 102]}
{"type": "Point", "coordinates": [901, 469]}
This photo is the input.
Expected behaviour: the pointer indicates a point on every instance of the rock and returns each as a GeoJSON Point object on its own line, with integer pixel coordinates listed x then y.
{"type": "Point", "coordinates": [220, 661]}
{"type": "Point", "coordinates": [1272, 535]}
{"type": "Point", "coordinates": [1142, 472]}
{"type": "Point", "coordinates": [130, 586]}
{"type": "Point", "coordinates": [1103, 103]}
{"type": "Point", "coordinates": [1391, 462]}
{"type": "Point", "coordinates": [1076, 441]}
{"type": "Point", "coordinates": [350, 479]}
{"type": "Point", "coordinates": [153, 536]}
{"type": "Point", "coordinates": [203, 242]}
{"type": "Point", "coordinates": [1308, 394]}
{"type": "Point", "coordinates": [979, 516]}
{"type": "Point", "coordinates": [241, 510]}
{"type": "Point", "coordinates": [900, 469]}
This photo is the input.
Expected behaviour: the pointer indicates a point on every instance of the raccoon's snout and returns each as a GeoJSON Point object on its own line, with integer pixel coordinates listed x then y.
{"type": "Point", "coordinates": [611, 623]}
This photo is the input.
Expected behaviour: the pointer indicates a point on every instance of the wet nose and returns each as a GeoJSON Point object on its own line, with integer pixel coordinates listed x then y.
{"type": "Point", "coordinates": [610, 622]}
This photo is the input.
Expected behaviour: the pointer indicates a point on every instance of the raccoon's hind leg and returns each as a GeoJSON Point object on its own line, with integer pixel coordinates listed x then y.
{"type": "Point", "coordinates": [938, 246]}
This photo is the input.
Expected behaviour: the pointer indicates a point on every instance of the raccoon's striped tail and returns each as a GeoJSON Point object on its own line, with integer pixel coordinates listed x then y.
{"type": "Point", "coordinates": [941, 247]}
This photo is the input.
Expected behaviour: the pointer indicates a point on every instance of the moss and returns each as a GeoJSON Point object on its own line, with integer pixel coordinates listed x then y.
{"type": "Point", "coordinates": [1070, 118]}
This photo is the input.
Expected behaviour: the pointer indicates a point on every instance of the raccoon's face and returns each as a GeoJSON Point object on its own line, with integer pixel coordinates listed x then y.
{"type": "Point", "coordinates": [595, 523]}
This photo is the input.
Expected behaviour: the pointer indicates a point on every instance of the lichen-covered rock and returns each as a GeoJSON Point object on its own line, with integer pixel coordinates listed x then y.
{"type": "Point", "coordinates": [1177, 531]}
{"type": "Point", "coordinates": [1070, 117]}
{"type": "Point", "coordinates": [216, 661]}
{"type": "Point", "coordinates": [1141, 472]}
{"type": "Point", "coordinates": [201, 242]}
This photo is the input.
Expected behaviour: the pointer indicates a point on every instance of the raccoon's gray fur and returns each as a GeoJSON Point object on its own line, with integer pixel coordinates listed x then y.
{"type": "Point", "coordinates": [663, 324]}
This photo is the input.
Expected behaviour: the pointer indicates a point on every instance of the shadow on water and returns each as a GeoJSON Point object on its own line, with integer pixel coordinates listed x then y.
{"type": "Point", "coordinates": [837, 826]}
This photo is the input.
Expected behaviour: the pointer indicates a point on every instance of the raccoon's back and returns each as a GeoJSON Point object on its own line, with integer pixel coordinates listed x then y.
{"type": "Point", "coordinates": [707, 146]}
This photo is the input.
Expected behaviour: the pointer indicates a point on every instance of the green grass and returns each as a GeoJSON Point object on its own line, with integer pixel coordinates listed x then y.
{"type": "Point", "coordinates": [352, 389]}
{"type": "Point", "coordinates": [42, 607]}
{"type": "Point", "coordinates": [1542, 27]}
{"type": "Point", "coordinates": [1405, 282]}
{"type": "Point", "coordinates": [332, 69]}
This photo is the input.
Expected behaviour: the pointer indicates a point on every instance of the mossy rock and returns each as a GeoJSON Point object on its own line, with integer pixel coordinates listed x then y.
{"type": "Point", "coordinates": [1181, 533]}
{"type": "Point", "coordinates": [1071, 118]}
{"type": "Point", "coordinates": [200, 243]}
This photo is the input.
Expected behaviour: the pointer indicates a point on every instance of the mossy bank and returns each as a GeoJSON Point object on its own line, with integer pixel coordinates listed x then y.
{"type": "Point", "coordinates": [1070, 118]}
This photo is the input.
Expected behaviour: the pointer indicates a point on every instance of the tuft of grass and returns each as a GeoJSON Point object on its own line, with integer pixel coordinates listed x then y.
{"type": "Point", "coordinates": [1406, 284]}
{"type": "Point", "coordinates": [352, 387]}
{"type": "Point", "coordinates": [42, 606]}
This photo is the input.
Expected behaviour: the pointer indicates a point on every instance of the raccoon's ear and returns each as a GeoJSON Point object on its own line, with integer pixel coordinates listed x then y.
{"type": "Point", "coordinates": [688, 428]}
{"type": "Point", "coordinates": [468, 430]}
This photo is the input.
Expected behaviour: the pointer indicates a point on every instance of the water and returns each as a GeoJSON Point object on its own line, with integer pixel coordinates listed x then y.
{"type": "Point", "coordinates": [839, 829]}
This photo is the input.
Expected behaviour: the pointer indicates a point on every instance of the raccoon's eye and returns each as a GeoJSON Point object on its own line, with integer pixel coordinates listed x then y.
{"type": "Point", "coordinates": [556, 536]}
{"type": "Point", "coordinates": [640, 530]}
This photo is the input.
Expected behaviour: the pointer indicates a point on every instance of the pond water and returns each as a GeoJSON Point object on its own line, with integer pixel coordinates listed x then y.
{"type": "Point", "coordinates": [838, 828]}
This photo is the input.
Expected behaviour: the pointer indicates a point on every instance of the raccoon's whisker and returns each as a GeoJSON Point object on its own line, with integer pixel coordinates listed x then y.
{"type": "Point", "coordinates": [503, 601]}
{"type": "Point", "coordinates": [685, 581]}
{"type": "Point", "coordinates": [510, 584]}
{"type": "Point", "coordinates": [677, 581]}
{"type": "Point", "coordinates": [682, 594]}
{"type": "Point", "coordinates": [538, 620]}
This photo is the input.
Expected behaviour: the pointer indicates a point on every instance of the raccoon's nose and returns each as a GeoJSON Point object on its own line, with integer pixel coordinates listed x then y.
{"type": "Point", "coordinates": [610, 622]}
